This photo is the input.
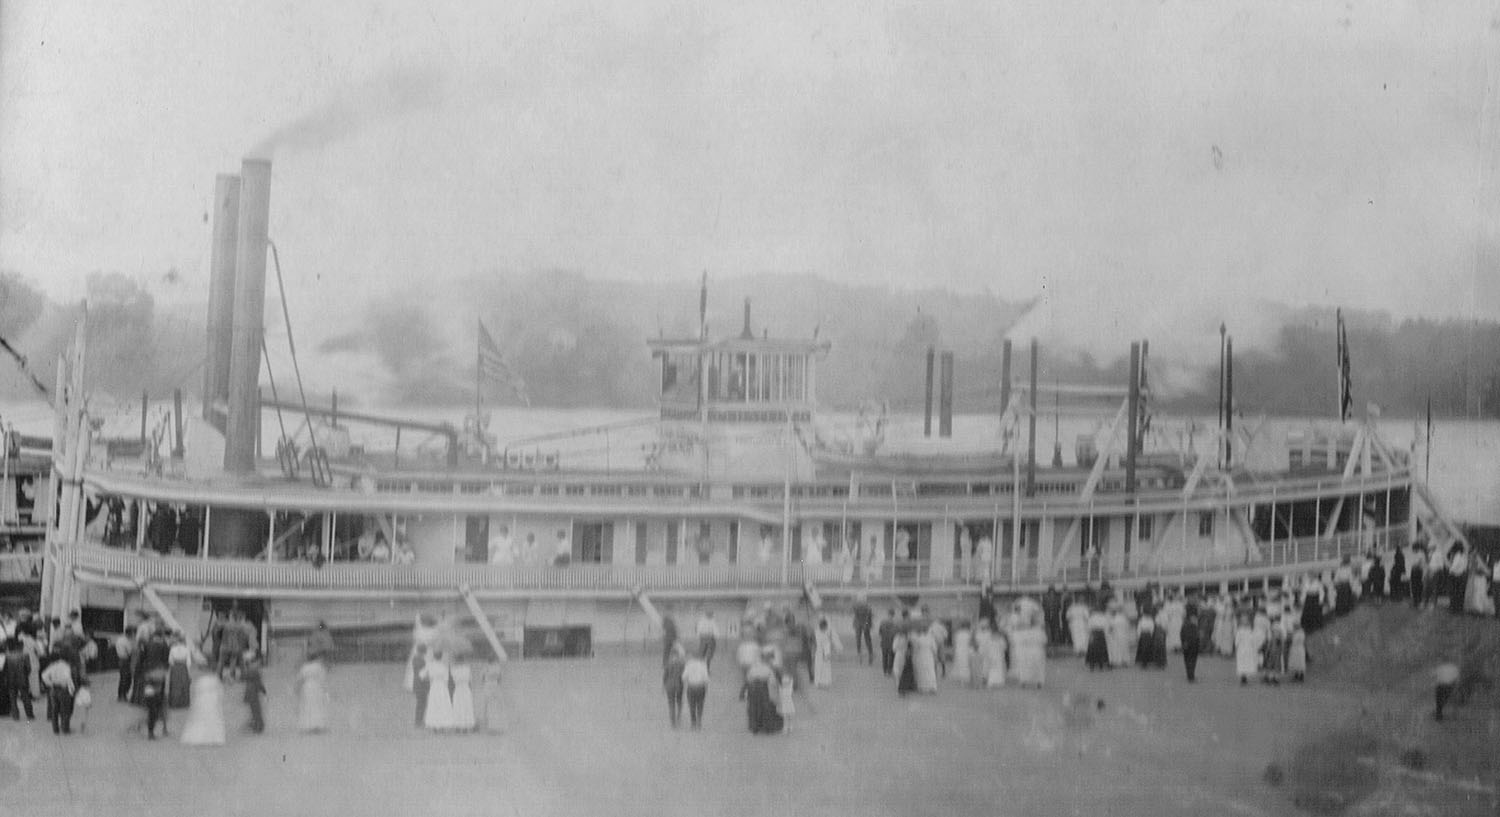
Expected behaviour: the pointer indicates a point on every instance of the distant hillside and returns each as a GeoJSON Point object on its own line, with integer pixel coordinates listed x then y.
{"type": "Point", "coordinates": [581, 342]}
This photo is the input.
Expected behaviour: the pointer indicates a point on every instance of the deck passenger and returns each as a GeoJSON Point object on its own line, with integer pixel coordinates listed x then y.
{"type": "Point", "coordinates": [502, 551]}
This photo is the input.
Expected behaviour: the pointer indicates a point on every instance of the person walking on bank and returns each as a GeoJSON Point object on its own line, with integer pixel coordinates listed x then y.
{"type": "Point", "coordinates": [124, 645]}
{"type": "Point", "coordinates": [695, 683]}
{"type": "Point", "coordinates": [312, 696]}
{"type": "Point", "coordinates": [826, 643]}
{"type": "Point", "coordinates": [708, 637]}
{"type": "Point", "coordinates": [864, 619]}
{"type": "Point", "coordinates": [888, 642]}
{"type": "Point", "coordinates": [668, 638]}
{"type": "Point", "coordinates": [671, 682]}
{"type": "Point", "coordinates": [255, 690]}
{"type": "Point", "coordinates": [58, 679]}
{"type": "Point", "coordinates": [18, 680]}
{"type": "Point", "coordinates": [1190, 643]}
{"type": "Point", "coordinates": [420, 686]}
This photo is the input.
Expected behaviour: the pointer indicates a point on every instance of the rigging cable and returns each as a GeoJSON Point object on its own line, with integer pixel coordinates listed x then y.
{"type": "Point", "coordinates": [317, 457]}
{"type": "Point", "coordinates": [21, 361]}
{"type": "Point", "coordinates": [291, 344]}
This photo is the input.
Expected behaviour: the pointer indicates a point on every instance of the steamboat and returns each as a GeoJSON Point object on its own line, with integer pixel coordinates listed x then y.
{"type": "Point", "coordinates": [742, 499]}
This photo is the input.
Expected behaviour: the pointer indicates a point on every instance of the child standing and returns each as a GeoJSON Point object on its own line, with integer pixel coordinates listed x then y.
{"type": "Point", "coordinates": [153, 693]}
{"type": "Point", "coordinates": [695, 681]}
{"type": "Point", "coordinates": [83, 699]}
{"type": "Point", "coordinates": [784, 704]}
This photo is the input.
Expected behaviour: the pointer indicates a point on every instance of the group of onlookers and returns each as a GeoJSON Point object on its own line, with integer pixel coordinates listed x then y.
{"type": "Point", "coordinates": [45, 661]}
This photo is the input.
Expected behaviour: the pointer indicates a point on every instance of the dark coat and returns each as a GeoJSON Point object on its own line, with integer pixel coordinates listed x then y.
{"type": "Point", "coordinates": [17, 669]}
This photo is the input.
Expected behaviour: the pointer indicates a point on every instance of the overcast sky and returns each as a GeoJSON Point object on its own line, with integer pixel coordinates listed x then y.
{"type": "Point", "coordinates": [1135, 162]}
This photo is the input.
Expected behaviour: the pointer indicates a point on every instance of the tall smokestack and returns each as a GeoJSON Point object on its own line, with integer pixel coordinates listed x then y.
{"type": "Point", "coordinates": [1031, 427]}
{"type": "Point", "coordinates": [945, 397]}
{"type": "Point", "coordinates": [221, 295]}
{"type": "Point", "coordinates": [1228, 402]}
{"type": "Point", "coordinates": [249, 317]}
{"type": "Point", "coordinates": [927, 401]}
{"type": "Point", "coordinates": [1133, 439]}
{"type": "Point", "coordinates": [1005, 377]}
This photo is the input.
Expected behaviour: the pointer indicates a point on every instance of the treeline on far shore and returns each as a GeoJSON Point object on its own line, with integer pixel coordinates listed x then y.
{"type": "Point", "coordinates": [575, 341]}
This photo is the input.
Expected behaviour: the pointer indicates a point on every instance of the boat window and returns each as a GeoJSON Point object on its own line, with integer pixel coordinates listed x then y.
{"type": "Point", "coordinates": [1206, 525]}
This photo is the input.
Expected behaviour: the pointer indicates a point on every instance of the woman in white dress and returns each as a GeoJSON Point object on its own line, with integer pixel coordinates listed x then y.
{"type": "Point", "coordinates": [1247, 644]}
{"type": "Point", "coordinates": [825, 644]}
{"type": "Point", "coordinates": [994, 659]}
{"type": "Point", "coordinates": [312, 696]}
{"type": "Point", "coordinates": [1029, 648]}
{"type": "Point", "coordinates": [205, 717]}
{"type": "Point", "coordinates": [963, 653]}
{"type": "Point", "coordinates": [1078, 626]}
{"type": "Point", "coordinates": [439, 717]}
{"type": "Point", "coordinates": [463, 696]}
{"type": "Point", "coordinates": [1224, 627]}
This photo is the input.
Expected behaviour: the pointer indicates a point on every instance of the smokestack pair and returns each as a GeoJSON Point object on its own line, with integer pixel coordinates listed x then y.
{"type": "Point", "coordinates": [945, 396]}
{"type": "Point", "coordinates": [236, 310]}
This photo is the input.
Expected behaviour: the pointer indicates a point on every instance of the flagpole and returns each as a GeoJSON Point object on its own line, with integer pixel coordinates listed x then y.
{"type": "Point", "coordinates": [478, 374]}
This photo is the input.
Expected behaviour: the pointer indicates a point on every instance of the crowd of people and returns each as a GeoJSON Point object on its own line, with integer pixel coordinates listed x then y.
{"type": "Point", "coordinates": [1264, 633]}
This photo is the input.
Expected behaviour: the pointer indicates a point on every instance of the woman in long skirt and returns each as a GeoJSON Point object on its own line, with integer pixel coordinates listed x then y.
{"type": "Point", "coordinates": [1223, 642]}
{"type": "Point", "coordinates": [963, 653]}
{"type": "Point", "coordinates": [1247, 643]}
{"type": "Point", "coordinates": [1119, 639]}
{"type": "Point", "coordinates": [979, 668]}
{"type": "Point", "coordinates": [1477, 600]}
{"type": "Point", "coordinates": [995, 668]}
{"type": "Point", "coordinates": [179, 680]}
{"type": "Point", "coordinates": [205, 717]}
{"type": "Point", "coordinates": [906, 668]}
{"type": "Point", "coordinates": [924, 657]}
{"type": "Point", "coordinates": [463, 696]}
{"type": "Point", "coordinates": [1296, 656]}
{"type": "Point", "coordinates": [487, 711]}
{"type": "Point", "coordinates": [1030, 645]}
{"type": "Point", "coordinates": [312, 696]}
{"type": "Point", "coordinates": [439, 716]}
{"type": "Point", "coordinates": [1097, 655]}
{"type": "Point", "coordinates": [760, 705]}
{"type": "Point", "coordinates": [1078, 626]}
{"type": "Point", "coordinates": [1145, 630]}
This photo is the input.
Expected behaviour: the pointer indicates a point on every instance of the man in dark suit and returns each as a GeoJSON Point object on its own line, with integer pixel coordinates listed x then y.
{"type": "Point", "coordinates": [17, 674]}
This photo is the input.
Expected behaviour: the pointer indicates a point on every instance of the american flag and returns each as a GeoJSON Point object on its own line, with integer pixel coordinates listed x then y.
{"type": "Point", "coordinates": [1346, 397]}
{"type": "Point", "coordinates": [494, 368]}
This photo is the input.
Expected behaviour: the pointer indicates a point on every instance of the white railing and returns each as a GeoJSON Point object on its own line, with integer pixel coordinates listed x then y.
{"type": "Point", "coordinates": [20, 567]}
{"type": "Point", "coordinates": [1287, 556]}
{"type": "Point", "coordinates": [821, 499]}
